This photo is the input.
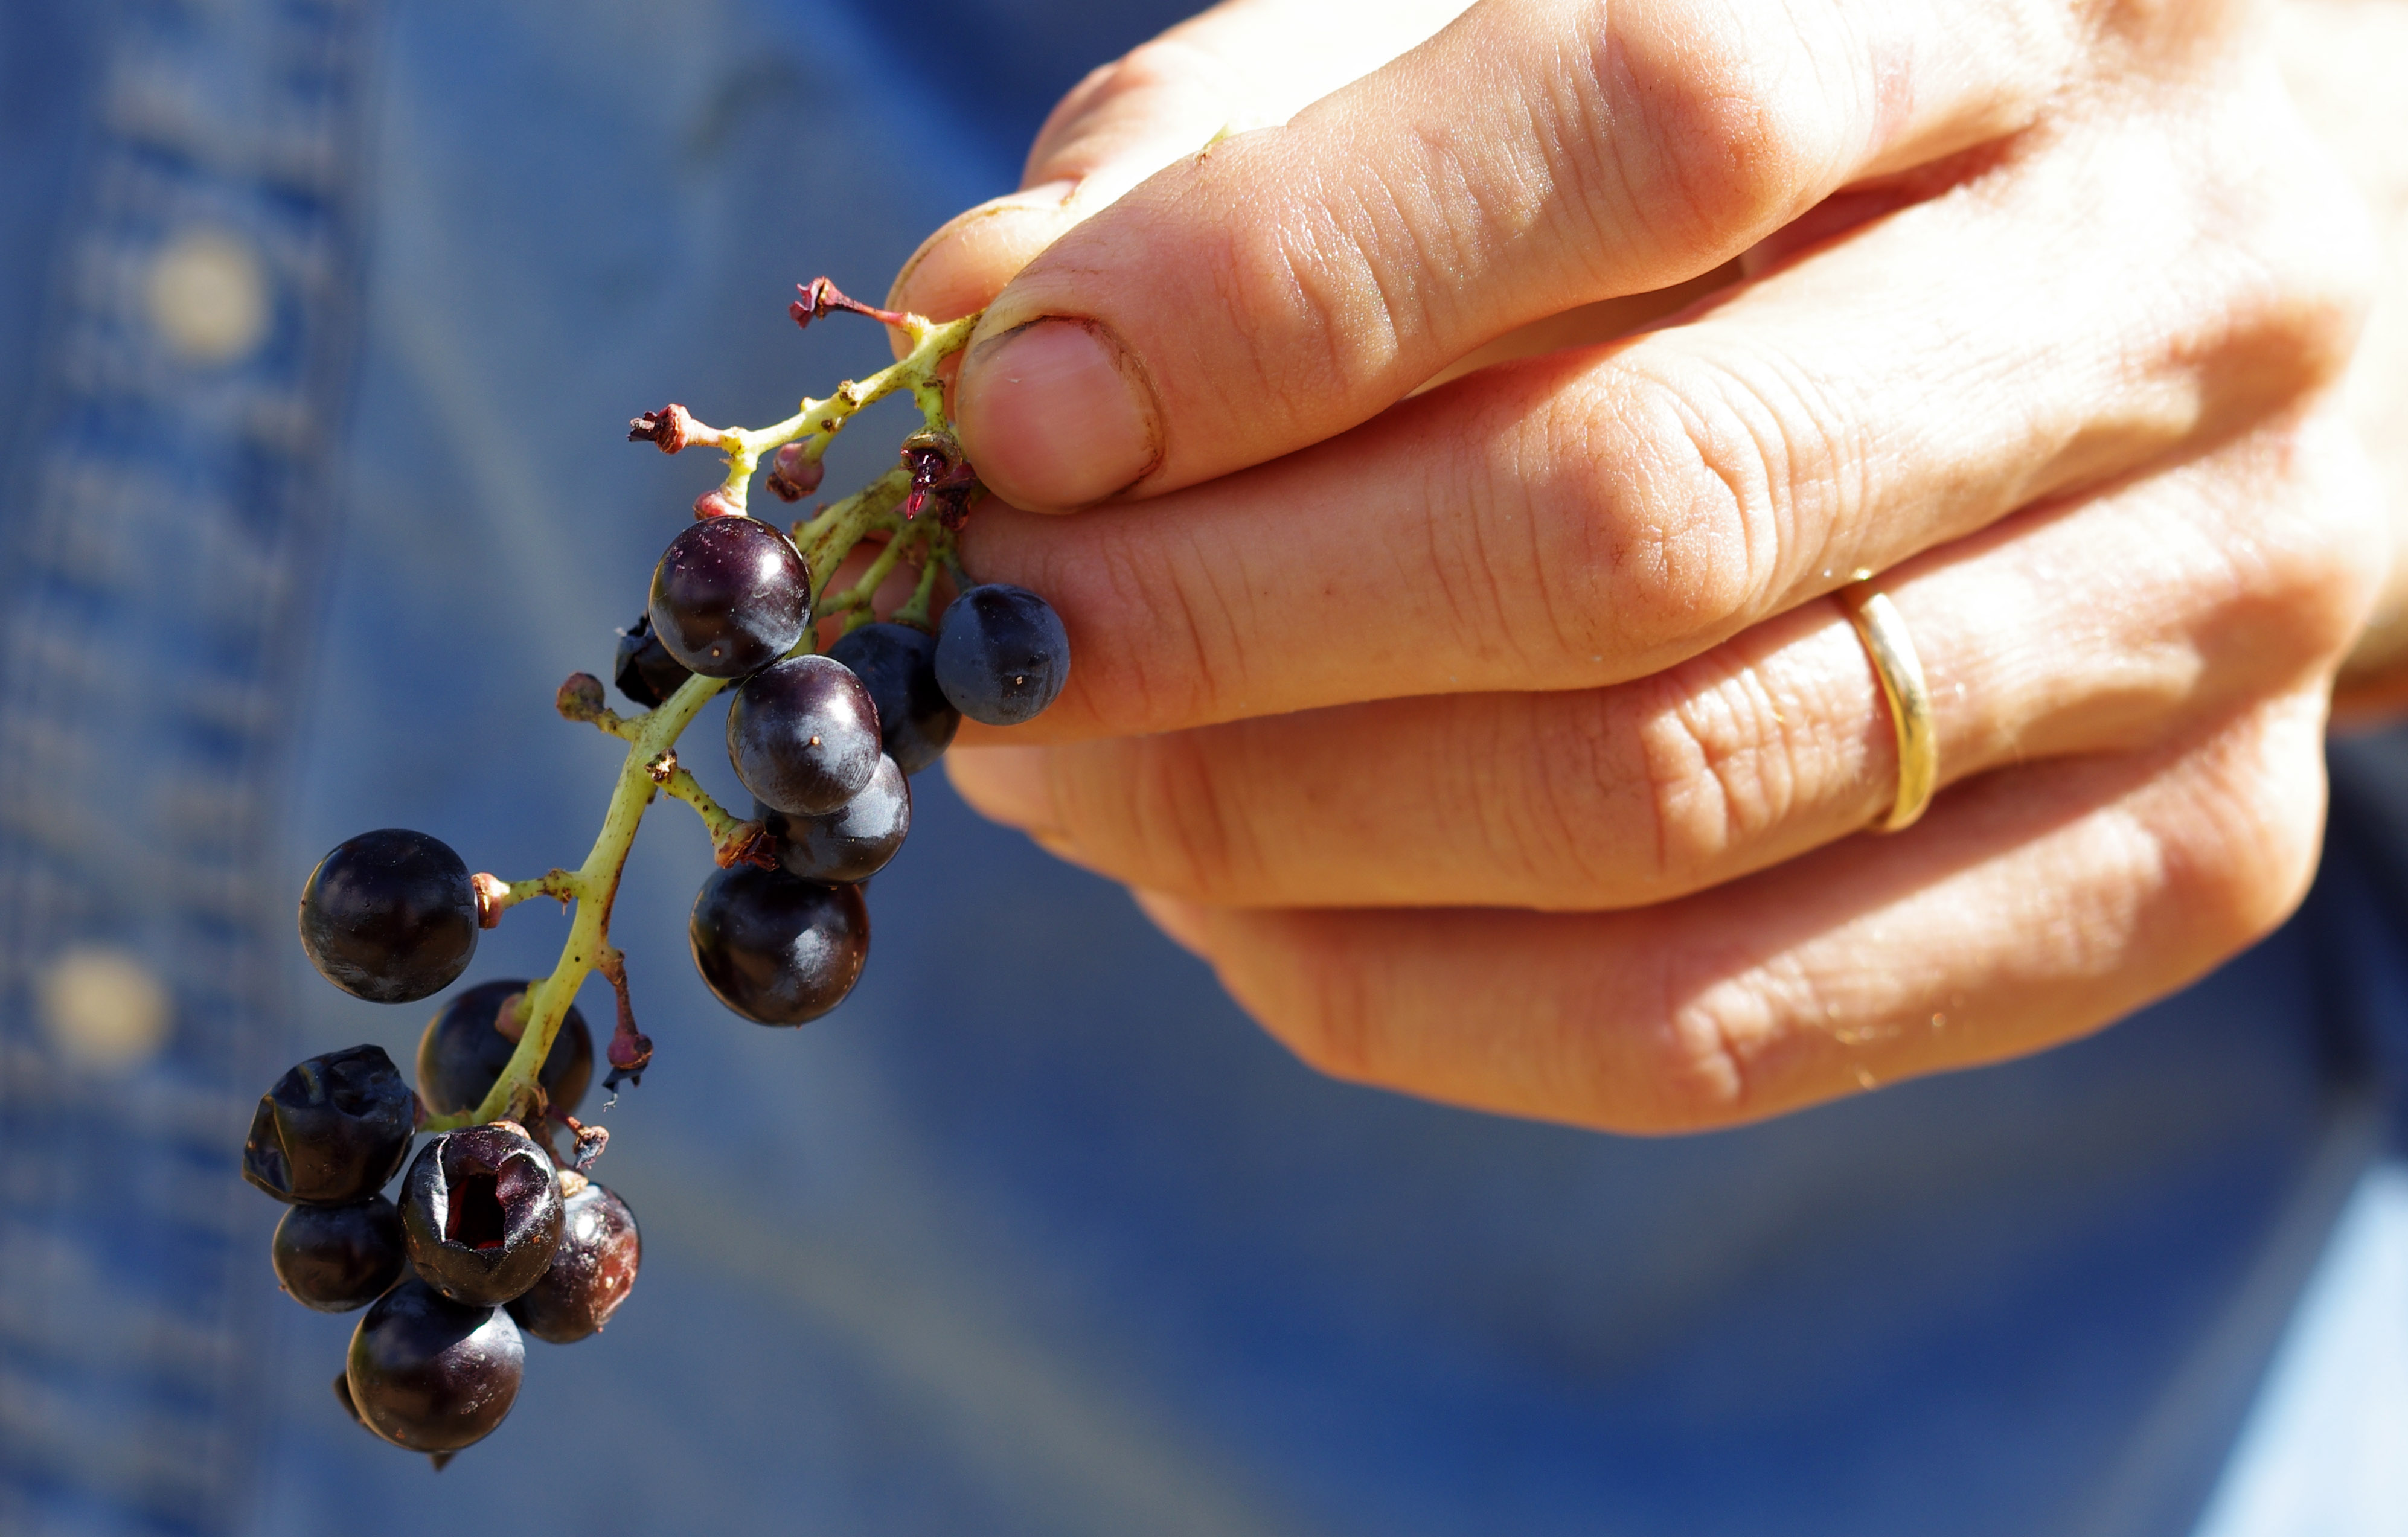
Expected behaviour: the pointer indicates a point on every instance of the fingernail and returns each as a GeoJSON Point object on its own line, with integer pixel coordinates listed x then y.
{"type": "Point", "coordinates": [1011, 784]}
{"type": "Point", "coordinates": [967, 262]}
{"type": "Point", "coordinates": [1057, 413]}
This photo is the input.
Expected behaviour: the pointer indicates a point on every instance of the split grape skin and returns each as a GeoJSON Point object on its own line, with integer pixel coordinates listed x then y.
{"type": "Point", "coordinates": [1002, 655]}
{"type": "Point", "coordinates": [729, 597]}
{"type": "Point", "coordinates": [430, 1373]}
{"type": "Point", "coordinates": [802, 735]}
{"type": "Point", "coordinates": [852, 843]}
{"type": "Point", "coordinates": [460, 1056]}
{"type": "Point", "coordinates": [778, 951]}
{"type": "Point", "coordinates": [333, 1129]}
{"type": "Point", "coordinates": [390, 917]}
{"type": "Point", "coordinates": [481, 1214]}
{"type": "Point", "coordinates": [334, 1259]}
{"type": "Point", "coordinates": [590, 1274]}
{"type": "Point", "coordinates": [897, 664]}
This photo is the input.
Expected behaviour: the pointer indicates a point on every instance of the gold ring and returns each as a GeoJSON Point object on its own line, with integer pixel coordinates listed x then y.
{"type": "Point", "coordinates": [1901, 672]}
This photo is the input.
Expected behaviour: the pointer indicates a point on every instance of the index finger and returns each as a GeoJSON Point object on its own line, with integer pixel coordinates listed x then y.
{"type": "Point", "coordinates": [1531, 157]}
{"type": "Point", "coordinates": [1241, 66]}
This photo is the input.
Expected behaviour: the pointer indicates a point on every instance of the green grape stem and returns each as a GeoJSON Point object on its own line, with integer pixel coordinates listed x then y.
{"type": "Point", "coordinates": [650, 767]}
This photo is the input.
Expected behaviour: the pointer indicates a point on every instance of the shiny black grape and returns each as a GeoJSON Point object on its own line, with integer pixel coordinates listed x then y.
{"type": "Point", "coordinates": [334, 1259]}
{"type": "Point", "coordinates": [803, 736]}
{"type": "Point", "coordinates": [854, 841]}
{"type": "Point", "coordinates": [644, 670]}
{"type": "Point", "coordinates": [897, 664]}
{"type": "Point", "coordinates": [390, 917]}
{"type": "Point", "coordinates": [333, 1129]}
{"type": "Point", "coordinates": [729, 597]}
{"type": "Point", "coordinates": [588, 1276]}
{"type": "Point", "coordinates": [481, 1214]}
{"type": "Point", "coordinates": [460, 1056]}
{"type": "Point", "coordinates": [430, 1373]}
{"type": "Point", "coordinates": [778, 951]}
{"type": "Point", "coordinates": [1002, 655]}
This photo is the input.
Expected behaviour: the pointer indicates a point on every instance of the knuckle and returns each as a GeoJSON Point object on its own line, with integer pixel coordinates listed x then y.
{"type": "Point", "coordinates": [1715, 140]}
{"type": "Point", "coordinates": [2300, 575]}
{"type": "Point", "coordinates": [1157, 65]}
{"type": "Point", "coordinates": [1324, 1013]}
{"type": "Point", "coordinates": [1647, 544]}
{"type": "Point", "coordinates": [2348, 517]}
{"type": "Point", "coordinates": [1117, 583]}
{"type": "Point", "coordinates": [1562, 829]}
{"type": "Point", "coordinates": [2288, 241]}
{"type": "Point", "coordinates": [1696, 1073]}
{"type": "Point", "coordinates": [2243, 838]}
{"type": "Point", "coordinates": [1723, 766]}
{"type": "Point", "coordinates": [1186, 837]}
{"type": "Point", "coordinates": [1071, 117]}
{"type": "Point", "coordinates": [2300, 305]}
{"type": "Point", "coordinates": [1157, 79]}
{"type": "Point", "coordinates": [1695, 776]}
{"type": "Point", "coordinates": [1694, 487]}
{"type": "Point", "coordinates": [1320, 270]}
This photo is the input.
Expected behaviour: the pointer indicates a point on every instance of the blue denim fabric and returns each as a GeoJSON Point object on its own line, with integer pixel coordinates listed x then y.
{"type": "Point", "coordinates": [1037, 1235]}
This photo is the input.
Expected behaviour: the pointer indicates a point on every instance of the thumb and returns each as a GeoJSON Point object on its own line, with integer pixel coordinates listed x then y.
{"type": "Point", "coordinates": [1242, 65]}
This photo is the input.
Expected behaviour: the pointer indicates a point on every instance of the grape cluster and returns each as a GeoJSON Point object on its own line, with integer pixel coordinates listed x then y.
{"type": "Point", "coordinates": [493, 1233]}
{"type": "Point", "coordinates": [824, 744]}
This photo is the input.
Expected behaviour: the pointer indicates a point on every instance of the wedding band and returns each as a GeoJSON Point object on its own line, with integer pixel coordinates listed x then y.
{"type": "Point", "coordinates": [1883, 633]}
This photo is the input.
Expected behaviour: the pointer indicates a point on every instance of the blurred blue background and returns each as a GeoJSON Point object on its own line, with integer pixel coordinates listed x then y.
{"type": "Point", "coordinates": [320, 324]}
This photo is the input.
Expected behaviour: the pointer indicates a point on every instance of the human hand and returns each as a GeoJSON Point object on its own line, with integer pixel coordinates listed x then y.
{"type": "Point", "coordinates": [1496, 743]}
{"type": "Point", "coordinates": [2343, 61]}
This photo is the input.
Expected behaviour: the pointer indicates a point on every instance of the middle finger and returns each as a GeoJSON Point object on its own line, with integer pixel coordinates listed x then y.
{"type": "Point", "coordinates": [2086, 628]}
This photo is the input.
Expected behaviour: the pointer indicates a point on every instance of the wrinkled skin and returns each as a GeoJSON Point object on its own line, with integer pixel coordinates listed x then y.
{"type": "Point", "coordinates": [1501, 743]}
{"type": "Point", "coordinates": [333, 1129]}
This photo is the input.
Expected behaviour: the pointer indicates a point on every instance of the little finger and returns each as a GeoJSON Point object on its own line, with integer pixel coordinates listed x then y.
{"type": "Point", "coordinates": [2033, 908]}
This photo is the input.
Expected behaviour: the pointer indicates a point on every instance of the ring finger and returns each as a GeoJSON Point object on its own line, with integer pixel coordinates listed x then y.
{"type": "Point", "coordinates": [2089, 627]}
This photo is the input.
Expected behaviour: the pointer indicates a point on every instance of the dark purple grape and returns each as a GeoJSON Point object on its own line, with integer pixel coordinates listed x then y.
{"type": "Point", "coordinates": [590, 1275]}
{"type": "Point", "coordinates": [1002, 654]}
{"type": "Point", "coordinates": [897, 664]}
{"type": "Point", "coordinates": [339, 1258]}
{"type": "Point", "coordinates": [390, 917]}
{"type": "Point", "coordinates": [730, 596]}
{"type": "Point", "coordinates": [460, 1056]}
{"type": "Point", "coordinates": [854, 841]}
{"type": "Point", "coordinates": [778, 951]}
{"type": "Point", "coordinates": [481, 1213]}
{"type": "Point", "coordinates": [430, 1373]}
{"type": "Point", "coordinates": [332, 1131]}
{"type": "Point", "coordinates": [803, 736]}
{"type": "Point", "coordinates": [645, 672]}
